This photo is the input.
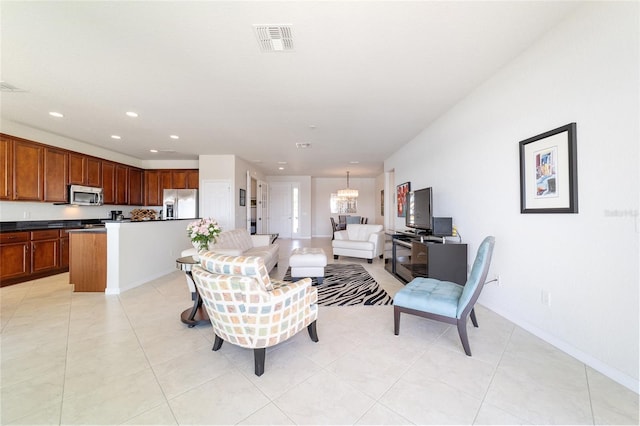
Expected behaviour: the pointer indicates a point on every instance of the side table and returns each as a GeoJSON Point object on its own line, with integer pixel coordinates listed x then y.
{"type": "Point", "coordinates": [196, 314]}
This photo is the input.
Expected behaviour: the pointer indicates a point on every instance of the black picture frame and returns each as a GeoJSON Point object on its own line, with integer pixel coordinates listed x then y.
{"type": "Point", "coordinates": [549, 172]}
{"type": "Point", "coordinates": [243, 197]}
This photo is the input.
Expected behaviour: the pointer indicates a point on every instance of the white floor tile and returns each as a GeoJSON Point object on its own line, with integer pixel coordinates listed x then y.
{"type": "Point", "coordinates": [89, 358]}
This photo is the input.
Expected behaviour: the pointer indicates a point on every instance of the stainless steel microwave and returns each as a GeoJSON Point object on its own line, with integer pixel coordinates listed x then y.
{"type": "Point", "coordinates": [85, 195]}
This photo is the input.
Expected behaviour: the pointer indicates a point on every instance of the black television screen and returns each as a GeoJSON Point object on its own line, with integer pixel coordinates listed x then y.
{"type": "Point", "coordinates": [419, 209]}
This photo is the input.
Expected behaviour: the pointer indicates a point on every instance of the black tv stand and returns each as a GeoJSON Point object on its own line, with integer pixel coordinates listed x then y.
{"type": "Point", "coordinates": [427, 256]}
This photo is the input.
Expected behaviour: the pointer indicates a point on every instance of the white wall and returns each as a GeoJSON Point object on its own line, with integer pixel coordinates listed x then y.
{"type": "Point", "coordinates": [586, 70]}
{"type": "Point", "coordinates": [321, 190]}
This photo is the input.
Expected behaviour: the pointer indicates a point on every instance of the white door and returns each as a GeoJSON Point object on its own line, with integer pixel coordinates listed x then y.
{"type": "Point", "coordinates": [216, 202]}
{"type": "Point", "coordinates": [281, 208]}
{"type": "Point", "coordinates": [263, 208]}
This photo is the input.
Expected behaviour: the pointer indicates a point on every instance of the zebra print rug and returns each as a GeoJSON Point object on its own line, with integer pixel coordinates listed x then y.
{"type": "Point", "coordinates": [347, 285]}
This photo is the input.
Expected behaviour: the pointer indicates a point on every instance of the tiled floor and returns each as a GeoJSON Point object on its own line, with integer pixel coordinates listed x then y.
{"type": "Point", "coordinates": [85, 358]}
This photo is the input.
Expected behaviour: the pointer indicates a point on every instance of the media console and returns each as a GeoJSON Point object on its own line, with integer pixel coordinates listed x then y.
{"type": "Point", "coordinates": [413, 256]}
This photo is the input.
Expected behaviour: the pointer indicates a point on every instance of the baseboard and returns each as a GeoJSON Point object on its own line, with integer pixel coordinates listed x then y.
{"type": "Point", "coordinates": [611, 372]}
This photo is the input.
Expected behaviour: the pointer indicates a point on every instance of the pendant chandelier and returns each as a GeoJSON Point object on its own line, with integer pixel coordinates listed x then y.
{"type": "Point", "coordinates": [348, 193]}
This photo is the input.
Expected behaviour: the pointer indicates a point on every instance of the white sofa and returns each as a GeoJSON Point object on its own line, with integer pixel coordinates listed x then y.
{"type": "Point", "coordinates": [364, 241]}
{"type": "Point", "coordinates": [238, 242]}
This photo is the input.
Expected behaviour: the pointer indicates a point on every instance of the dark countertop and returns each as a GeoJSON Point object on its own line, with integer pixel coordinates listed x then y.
{"type": "Point", "coordinates": [36, 225]}
{"type": "Point", "coordinates": [88, 230]}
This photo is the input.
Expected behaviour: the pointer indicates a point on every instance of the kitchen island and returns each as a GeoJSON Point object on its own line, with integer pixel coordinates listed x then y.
{"type": "Point", "coordinates": [138, 252]}
{"type": "Point", "coordinates": [88, 259]}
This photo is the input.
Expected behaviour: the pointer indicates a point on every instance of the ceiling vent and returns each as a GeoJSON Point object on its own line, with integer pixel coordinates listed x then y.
{"type": "Point", "coordinates": [303, 145]}
{"type": "Point", "coordinates": [274, 38]}
{"type": "Point", "coordinates": [6, 87]}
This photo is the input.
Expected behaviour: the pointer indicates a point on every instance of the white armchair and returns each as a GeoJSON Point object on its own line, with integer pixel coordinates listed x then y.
{"type": "Point", "coordinates": [363, 241]}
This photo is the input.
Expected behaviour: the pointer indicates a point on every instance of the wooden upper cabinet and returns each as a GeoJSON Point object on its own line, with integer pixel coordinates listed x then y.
{"type": "Point", "coordinates": [193, 179]}
{"type": "Point", "coordinates": [179, 179]}
{"type": "Point", "coordinates": [6, 162]}
{"type": "Point", "coordinates": [94, 172]}
{"type": "Point", "coordinates": [56, 171]}
{"type": "Point", "coordinates": [165, 181]}
{"type": "Point", "coordinates": [136, 186]}
{"type": "Point", "coordinates": [77, 169]}
{"type": "Point", "coordinates": [122, 184]}
{"type": "Point", "coordinates": [109, 182]}
{"type": "Point", "coordinates": [84, 170]}
{"type": "Point", "coordinates": [152, 191]}
{"type": "Point", "coordinates": [28, 160]}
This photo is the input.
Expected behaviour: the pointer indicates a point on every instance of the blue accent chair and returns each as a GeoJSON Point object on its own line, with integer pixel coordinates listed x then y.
{"type": "Point", "coordinates": [446, 301]}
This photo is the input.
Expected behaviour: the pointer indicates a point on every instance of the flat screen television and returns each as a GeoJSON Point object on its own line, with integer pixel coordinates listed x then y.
{"type": "Point", "coordinates": [419, 210]}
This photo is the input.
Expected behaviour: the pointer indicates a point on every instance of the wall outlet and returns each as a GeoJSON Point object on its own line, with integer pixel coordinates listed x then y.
{"type": "Point", "coordinates": [26, 215]}
{"type": "Point", "coordinates": [545, 298]}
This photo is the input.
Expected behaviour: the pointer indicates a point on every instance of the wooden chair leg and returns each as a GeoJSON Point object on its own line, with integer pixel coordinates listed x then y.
{"type": "Point", "coordinates": [396, 320]}
{"type": "Point", "coordinates": [462, 331]}
{"type": "Point", "coordinates": [258, 360]}
{"type": "Point", "coordinates": [473, 318]}
{"type": "Point", "coordinates": [217, 343]}
{"type": "Point", "coordinates": [313, 332]}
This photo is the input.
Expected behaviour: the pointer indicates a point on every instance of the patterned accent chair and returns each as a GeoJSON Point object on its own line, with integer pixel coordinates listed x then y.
{"type": "Point", "coordinates": [247, 309]}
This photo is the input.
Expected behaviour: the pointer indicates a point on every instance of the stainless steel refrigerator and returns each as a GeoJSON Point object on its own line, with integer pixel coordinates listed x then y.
{"type": "Point", "coordinates": [180, 203]}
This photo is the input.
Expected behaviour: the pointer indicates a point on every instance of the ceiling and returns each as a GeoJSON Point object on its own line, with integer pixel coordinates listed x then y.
{"type": "Point", "coordinates": [362, 80]}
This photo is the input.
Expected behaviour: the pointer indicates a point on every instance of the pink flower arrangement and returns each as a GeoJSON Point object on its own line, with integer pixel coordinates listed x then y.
{"type": "Point", "coordinates": [203, 232]}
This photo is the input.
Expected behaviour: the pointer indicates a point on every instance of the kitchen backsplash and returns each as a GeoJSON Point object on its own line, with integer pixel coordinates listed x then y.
{"type": "Point", "coordinates": [17, 211]}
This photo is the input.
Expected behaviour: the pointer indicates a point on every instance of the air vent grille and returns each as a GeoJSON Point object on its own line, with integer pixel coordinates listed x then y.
{"type": "Point", "coordinates": [274, 38]}
{"type": "Point", "coordinates": [6, 87]}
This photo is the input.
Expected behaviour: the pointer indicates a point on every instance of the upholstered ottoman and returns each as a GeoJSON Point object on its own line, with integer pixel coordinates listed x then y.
{"type": "Point", "coordinates": [308, 262]}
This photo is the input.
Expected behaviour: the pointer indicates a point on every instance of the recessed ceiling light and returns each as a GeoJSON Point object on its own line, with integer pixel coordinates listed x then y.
{"type": "Point", "coordinates": [282, 162]}
{"type": "Point", "coordinates": [354, 162]}
{"type": "Point", "coordinates": [312, 126]}
{"type": "Point", "coordinates": [174, 137]}
{"type": "Point", "coordinates": [153, 150]}
{"type": "Point", "coordinates": [56, 114]}
{"type": "Point", "coordinates": [115, 137]}
{"type": "Point", "coordinates": [132, 114]}
{"type": "Point", "coordinates": [280, 168]}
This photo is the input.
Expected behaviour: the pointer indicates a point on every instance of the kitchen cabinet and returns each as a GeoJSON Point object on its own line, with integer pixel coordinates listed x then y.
{"type": "Point", "coordinates": [152, 192]}
{"type": "Point", "coordinates": [84, 170]}
{"type": "Point", "coordinates": [64, 249]}
{"type": "Point", "coordinates": [179, 179]}
{"type": "Point", "coordinates": [94, 172]}
{"type": "Point", "coordinates": [165, 181]}
{"type": "Point", "coordinates": [136, 186]}
{"type": "Point", "coordinates": [193, 179]}
{"type": "Point", "coordinates": [44, 250]}
{"type": "Point", "coordinates": [55, 172]}
{"type": "Point", "coordinates": [27, 171]}
{"type": "Point", "coordinates": [122, 184]}
{"type": "Point", "coordinates": [109, 182]}
{"type": "Point", "coordinates": [6, 163]}
{"type": "Point", "coordinates": [77, 169]}
{"type": "Point", "coordinates": [28, 255]}
{"type": "Point", "coordinates": [14, 252]}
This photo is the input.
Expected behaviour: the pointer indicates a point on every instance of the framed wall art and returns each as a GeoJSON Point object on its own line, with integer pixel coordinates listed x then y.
{"type": "Point", "coordinates": [548, 172]}
{"type": "Point", "coordinates": [402, 190]}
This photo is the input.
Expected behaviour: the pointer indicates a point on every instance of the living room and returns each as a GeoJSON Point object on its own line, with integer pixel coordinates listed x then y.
{"type": "Point", "coordinates": [584, 71]}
